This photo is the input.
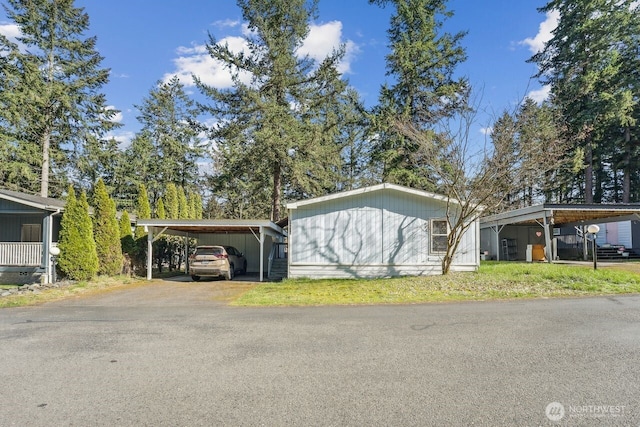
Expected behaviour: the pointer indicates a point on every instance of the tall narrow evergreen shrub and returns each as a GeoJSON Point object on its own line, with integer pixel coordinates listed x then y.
{"type": "Point", "coordinates": [106, 232]}
{"type": "Point", "coordinates": [78, 258]}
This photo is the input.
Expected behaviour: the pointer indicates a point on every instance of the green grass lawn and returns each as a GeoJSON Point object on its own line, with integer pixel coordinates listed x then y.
{"type": "Point", "coordinates": [494, 280]}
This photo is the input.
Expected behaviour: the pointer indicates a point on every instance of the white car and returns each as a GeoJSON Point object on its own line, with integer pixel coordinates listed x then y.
{"type": "Point", "coordinates": [216, 261]}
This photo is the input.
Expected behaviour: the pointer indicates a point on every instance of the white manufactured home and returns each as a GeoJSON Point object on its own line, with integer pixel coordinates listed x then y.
{"type": "Point", "coordinates": [381, 231]}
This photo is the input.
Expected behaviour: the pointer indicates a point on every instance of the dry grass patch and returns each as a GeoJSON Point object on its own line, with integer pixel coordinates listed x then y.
{"type": "Point", "coordinates": [83, 288]}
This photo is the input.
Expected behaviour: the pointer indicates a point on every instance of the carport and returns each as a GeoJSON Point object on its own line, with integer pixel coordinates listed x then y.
{"type": "Point", "coordinates": [547, 216]}
{"type": "Point", "coordinates": [255, 238]}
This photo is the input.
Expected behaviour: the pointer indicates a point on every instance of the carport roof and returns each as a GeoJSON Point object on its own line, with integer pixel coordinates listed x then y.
{"type": "Point", "coordinates": [563, 214]}
{"type": "Point", "coordinates": [212, 226]}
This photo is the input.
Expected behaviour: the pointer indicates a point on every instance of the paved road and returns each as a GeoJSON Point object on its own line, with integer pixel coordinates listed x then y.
{"type": "Point", "coordinates": [126, 358]}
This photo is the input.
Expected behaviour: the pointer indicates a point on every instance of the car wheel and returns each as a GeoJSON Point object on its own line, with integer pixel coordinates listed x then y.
{"type": "Point", "coordinates": [244, 268]}
{"type": "Point", "coordinates": [195, 278]}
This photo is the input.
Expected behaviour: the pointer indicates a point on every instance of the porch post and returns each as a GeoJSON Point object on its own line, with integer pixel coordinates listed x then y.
{"type": "Point", "coordinates": [149, 252]}
{"type": "Point", "coordinates": [261, 254]}
{"type": "Point", "coordinates": [497, 242]}
{"type": "Point", "coordinates": [47, 234]}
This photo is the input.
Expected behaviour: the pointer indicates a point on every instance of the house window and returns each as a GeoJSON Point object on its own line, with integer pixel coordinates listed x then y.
{"type": "Point", "coordinates": [439, 235]}
{"type": "Point", "coordinates": [31, 233]}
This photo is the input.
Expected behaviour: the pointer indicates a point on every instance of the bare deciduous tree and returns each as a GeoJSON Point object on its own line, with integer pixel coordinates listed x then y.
{"type": "Point", "coordinates": [475, 177]}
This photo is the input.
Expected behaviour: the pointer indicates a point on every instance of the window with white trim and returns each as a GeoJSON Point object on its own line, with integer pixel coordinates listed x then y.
{"type": "Point", "coordinates": [439, 235]}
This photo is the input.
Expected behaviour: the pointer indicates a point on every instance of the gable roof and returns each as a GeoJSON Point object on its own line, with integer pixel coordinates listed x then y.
{"type": "Point", "coordinates": [38, 202]}
{"type": "Point", "coordinates": [378, 187]}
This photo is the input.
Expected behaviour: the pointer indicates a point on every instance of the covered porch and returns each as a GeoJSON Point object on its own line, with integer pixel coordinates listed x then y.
{"type": "Point", "coordinates": [505, 236]}
{"type": "Point", "coordinates": [29, 227]}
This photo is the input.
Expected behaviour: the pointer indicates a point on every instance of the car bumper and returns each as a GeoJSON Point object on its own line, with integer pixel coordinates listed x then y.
{"type": "Point", "coordinates": [207, 271]}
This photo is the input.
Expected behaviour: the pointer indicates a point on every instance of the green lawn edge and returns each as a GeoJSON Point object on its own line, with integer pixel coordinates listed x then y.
{"type": "Point", "coordinates": [493, 281]}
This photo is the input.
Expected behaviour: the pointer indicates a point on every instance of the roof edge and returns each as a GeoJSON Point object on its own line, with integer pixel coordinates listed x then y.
{"type": "Point", "coordinates": [370, 189]}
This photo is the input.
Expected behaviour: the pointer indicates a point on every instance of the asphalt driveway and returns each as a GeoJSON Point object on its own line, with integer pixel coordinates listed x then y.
{"type": "Point", "coordinates": [144, 356]}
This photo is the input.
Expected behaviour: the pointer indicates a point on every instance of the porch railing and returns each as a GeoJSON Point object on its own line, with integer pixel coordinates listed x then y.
{"type": "Point", "coordinates": [20, 254]}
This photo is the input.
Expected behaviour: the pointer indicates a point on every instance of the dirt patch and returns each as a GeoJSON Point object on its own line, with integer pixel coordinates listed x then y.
{"type": "Point", "coordinates": [158, 293]}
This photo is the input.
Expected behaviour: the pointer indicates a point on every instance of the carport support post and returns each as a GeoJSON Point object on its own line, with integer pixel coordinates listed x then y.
{"type": "Point", "coordinates": [149, 252]}
{"type": "Point", "coordinates": [261, 254]}
{"type": "Point", "coordinates": [547, 238]}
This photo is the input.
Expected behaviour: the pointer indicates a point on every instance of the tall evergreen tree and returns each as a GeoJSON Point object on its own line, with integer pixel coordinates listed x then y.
{"type": "Point", "coordinates": [106, 232]}
{"type": "Point", "coordinates": [78, 258]}
{"type": "Point", "coordinates": [589, 64]}
{"type": "Point", "coordinates": [424, 91]}
{"type": "Point", "coordinates": [183, 204]}
{"type": "Point", "coordinates": [168, 118]}
{"type": "Point", "coordinates": [278, 124]}
{"type": "Point", "coordinates": [126, 234]}
{"type": "Point", "coordinates": [161, 212]}
{"type": "Point", "coordinates": [171, 201]}
{"type": "Point", "coordinates": [143, 209]}
{"type": "Point", "coordinates": [50, 103]}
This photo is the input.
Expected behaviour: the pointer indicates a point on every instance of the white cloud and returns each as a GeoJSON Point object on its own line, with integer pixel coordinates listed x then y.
{"type": "Point", "coordinates": [123, 138]}
{"type": "Point", "coordinates": [226, 23]}
{"type": "Point", "coordinates": [117, 118]}
{"type": "Point", "coordinates": [541, 94]}
{"type": "Point", "coordinates": [536, 44]}
{"type": "Point", "coordinates": [195, 60]}
{"type": "Point", "coordinates": [487, 130]}
{"type": "Point", "coordinates": [323, 39]}
{"type": "Point", "coordinates": [12, 31]}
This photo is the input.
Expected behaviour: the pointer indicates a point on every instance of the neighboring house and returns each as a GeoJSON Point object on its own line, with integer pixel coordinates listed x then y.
{"type": "Point", "coordinates": [29, 227]}
{"type": "Point", "coordinates": [379, 231]}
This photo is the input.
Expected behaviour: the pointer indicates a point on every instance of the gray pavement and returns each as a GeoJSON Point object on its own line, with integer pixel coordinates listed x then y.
{"type": "Point", "coordinates": [150, 356]}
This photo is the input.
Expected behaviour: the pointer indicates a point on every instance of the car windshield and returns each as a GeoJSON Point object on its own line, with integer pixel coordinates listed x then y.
{"type": "Point", "coordinates": [210, 251]}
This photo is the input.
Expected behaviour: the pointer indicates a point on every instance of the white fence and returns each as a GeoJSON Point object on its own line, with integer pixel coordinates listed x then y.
{"type": "Point", "coordinates": [20, 254]}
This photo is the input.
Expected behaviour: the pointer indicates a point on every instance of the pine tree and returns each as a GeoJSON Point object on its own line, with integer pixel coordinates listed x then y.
{"type": "Point", "coordinates": [590, 64]}
{"type": "Point", "coordinates": [126, 234]}
{"type": "Point", "coordinates": [183, 204]}
{"type": "Point", "coordinates": [171, 201]}
{"type": "Point", "coordinates": [161, 213]}
{"type": "Point", "coordinates": [50, 91]}
{"type": "Point", "coordinates": [424, 92]}
{"type": "Point", "coordinates": [167, 116]}
{"type": "Point", "coordinates": [266, 147]}
{"type": "Point", "coordinates": [125, 225]}
{"type": "Point", "coordinates": [143, 210]}
{"type": "Point", "coordinates": [78, 258]}
{"type": "Point", "coordinates": [106, 232]}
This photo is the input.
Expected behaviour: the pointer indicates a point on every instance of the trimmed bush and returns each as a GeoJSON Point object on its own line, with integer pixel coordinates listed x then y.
{"type": "Point", "coordinates": [78, 258]}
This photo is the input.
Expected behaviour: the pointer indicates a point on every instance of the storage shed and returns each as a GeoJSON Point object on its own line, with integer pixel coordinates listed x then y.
{"type": "Point", "coordinates": [379, 231]}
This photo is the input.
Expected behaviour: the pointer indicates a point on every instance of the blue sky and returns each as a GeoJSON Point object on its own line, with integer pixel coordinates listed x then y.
{"type": "Point", "coordinates": [146, 42]}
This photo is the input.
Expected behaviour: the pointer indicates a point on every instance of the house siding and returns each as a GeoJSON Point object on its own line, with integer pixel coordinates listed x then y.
{"type": "Point", "coordinates": [372, 234]}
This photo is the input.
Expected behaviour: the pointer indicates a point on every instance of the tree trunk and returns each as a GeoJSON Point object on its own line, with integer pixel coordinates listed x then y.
{"type": "Point", "coordinates": [44, 178]}
{"type": "Point", "coordinates": [588, 172]}
{"type": "Point", "coordinates": [626, 183]}
{"type": "Point", "coordinates": [277, 182]}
